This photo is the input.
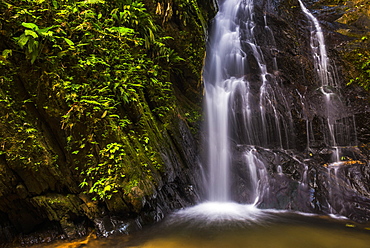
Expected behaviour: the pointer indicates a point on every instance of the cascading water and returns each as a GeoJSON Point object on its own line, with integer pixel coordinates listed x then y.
{"type": "Point", "coordinates": [252, 158]}
{"type": "Point", "coordinates": [338, 130]}
{"type": "Point", "coordinates": [241, 96]}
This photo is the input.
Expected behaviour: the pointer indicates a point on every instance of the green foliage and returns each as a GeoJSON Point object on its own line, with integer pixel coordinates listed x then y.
{"type": "Point", "coordinates": [87, 85]}
{"type": "Point", "coordinates": [20, 139]}
{"type": "Point", "coordinates": [107, 176]}
{"type": "Point", "coordinates": [360, 60]}
{"type": "Point", "coordinates": [30, 39]}
{"type": "Point", "coordinates": [188, 9]}
{"type": "Point", "coordinates": [103, 68]}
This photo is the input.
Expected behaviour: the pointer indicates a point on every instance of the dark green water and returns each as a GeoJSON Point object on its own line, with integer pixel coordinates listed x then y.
{"type": "Point", "coordinates": [261, 229]}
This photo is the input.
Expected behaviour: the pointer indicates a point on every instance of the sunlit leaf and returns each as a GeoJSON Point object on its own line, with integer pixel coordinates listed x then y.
{"type": "Point", "coordinates": [69, 42]}
{"type": "Point", "coordinates": [6, 53]}
{"type": "Point", "coordinates": [92, 2]}
{"type": "Point", "coordinates": [107, 188]}
{"type": "Point", "coordinates": [31, 33]}
{"type": "Point", "coordinates": [23, 39]}
{"type": "Point", "coordinates": [46, 31]}
{"type": "Point", "coordinates": [122, 30]}
{"type": "Point", "coordinates": [30, 25]}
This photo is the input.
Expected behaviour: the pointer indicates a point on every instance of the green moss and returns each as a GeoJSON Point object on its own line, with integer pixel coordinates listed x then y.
{"type": "Point", "coordinates": [355, 15]}
{"type": "Point", "coordinates": [57, 206]}
{"type": "Point", "coordinates": [356, 53]}
{"type": "Point", "coordinates": [359, 63]}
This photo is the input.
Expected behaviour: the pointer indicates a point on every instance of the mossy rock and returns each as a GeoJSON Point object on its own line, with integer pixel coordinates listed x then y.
{"type": "Point", "coordinates": [57, 206]}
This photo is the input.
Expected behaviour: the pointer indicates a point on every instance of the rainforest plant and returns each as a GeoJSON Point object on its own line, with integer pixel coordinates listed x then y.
{"type": "Point", "coordinates": [103, 68]}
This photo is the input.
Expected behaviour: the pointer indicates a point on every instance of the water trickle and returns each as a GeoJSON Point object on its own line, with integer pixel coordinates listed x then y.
{"type": "Point", "coordinates": [257, 176]}
{"type": "Point", "coordinates": [338, 129]}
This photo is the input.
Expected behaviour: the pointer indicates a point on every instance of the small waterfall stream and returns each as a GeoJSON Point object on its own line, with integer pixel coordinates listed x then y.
{"type": "Point", "coordinates": [338, 129]}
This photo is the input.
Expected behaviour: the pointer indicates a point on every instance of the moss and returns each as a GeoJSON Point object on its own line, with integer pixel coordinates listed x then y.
{"type": "Point", "coordinates": [356, 52]}
{"type": "Point", "coordinates": [56, 206]}
{"type": "Point", "coordinates": [358, 64]}
{"type": "Point", "coordinates": [357, 15]}
{"type": "Point", "coordinates": [355, 19]}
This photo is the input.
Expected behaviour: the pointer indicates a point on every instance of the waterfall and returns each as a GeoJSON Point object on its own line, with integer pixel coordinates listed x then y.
{"type": "Point", "coordinates": [251, 155]}
{"type": "Point", "coordinates": [241, 96]}
{"type": "Point", "coordinates": [338, 128]}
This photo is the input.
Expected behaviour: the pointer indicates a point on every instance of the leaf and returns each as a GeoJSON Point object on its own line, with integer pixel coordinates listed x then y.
{"type": "Point", "coordinates": [122, 30]}
{"type": "Point", "coordinates": [30, 25]}
{"type": "Point", "coordinates": [46, 31]}
{"type": "Point", "coordinates": [23, 39]}
{"type": "Point", "coordinates": [33, 57]}
{"type": "Point", "coordinates": [69, 42]}
{"type": "Point", "coordinates": [90, 102]}
{"type": "Point", "coordinates": [107, 188]}
{"type": "Point", "coordinates": [83, 44]}
{"type": "Point", "coordinates": [91, 2]}
{"type": "Point", "coordinates": [135, 85]}
{"type": "Point", "coordinates": [31, 33]}
{"type": "Point", "coordinates": [33, 46]}
{"type": "Point", "coordinates": [94, 1]}
{"type": "Point", "coordinates": [83, 184]}
{"type": "Point", "coordinates": [55, 4]}
{"type": "Point", "coordinates": [30, 130]}
{"type": "Point", "coordinates": [6, 53]}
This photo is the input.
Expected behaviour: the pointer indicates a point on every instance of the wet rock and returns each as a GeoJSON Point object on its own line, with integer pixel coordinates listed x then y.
{"type": "Point", "coordinates": [62, 209]}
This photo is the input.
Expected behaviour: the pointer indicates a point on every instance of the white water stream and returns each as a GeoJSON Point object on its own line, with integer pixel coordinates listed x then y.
{"type": "Point", "coordinates": [239, 99]}
{"type": "Point", "coordinates": [338, 129]}
{"type": "Point", "coordinates": [327, 80]}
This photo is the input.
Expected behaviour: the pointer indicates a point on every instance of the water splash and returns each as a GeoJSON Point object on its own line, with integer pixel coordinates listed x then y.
{"type": "Point", "coordinates": [213, 213]}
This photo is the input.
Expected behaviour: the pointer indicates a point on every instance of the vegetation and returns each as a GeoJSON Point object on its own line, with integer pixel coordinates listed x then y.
{"type": "Point", "coordinates": [86, 85]}
{"type": "Point", "coordinates": [360, 61]}
{"type": "Point", "coordinates": [357, 15]}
